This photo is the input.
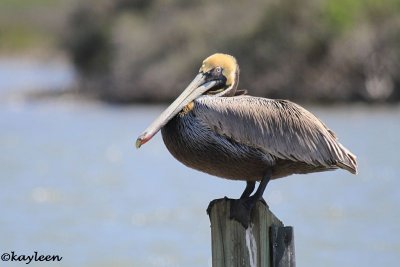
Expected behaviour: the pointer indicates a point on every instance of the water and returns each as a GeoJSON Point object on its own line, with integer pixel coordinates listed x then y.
{"type": "Point", "coordinates": [72, 184]}
{"type": "Point", "coordinates": [25, 74]}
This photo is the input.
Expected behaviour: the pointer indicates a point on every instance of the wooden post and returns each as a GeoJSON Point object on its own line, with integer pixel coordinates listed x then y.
{"type": "Point", "coordinates": [265, 243]}
{"type": "Point", "coordinates": [282, 245]}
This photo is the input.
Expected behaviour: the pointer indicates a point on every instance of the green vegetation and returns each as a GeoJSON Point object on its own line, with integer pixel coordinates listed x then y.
{"type": "Point", "coordinates": [342, 15]}
{"type": "Point", "coordinates": [21, 38]}
{"type": "Point", "coordinates": [31, 25]}
{"type": "Point", "coordinates": [138, 50]}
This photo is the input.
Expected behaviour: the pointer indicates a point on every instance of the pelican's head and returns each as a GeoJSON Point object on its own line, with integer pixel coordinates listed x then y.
{"type": "Point", "coordinates": [224, 69]}
{"type": "Point", "coordinates": [218, 76]}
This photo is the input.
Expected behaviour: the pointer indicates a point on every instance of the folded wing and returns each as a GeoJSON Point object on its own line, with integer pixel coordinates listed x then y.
{"type": "Point", "coordinates": [278, 127]}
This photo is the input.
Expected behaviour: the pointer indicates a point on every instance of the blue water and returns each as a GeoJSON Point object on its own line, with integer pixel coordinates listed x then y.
{"type": "Point", "coordinates": [73, 184]}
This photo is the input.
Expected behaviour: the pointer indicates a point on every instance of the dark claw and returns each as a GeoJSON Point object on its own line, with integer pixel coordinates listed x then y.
{"type": "Point", "coordinates": [264, 202]}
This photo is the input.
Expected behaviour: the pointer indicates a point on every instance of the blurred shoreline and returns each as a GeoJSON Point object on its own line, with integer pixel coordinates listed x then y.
{"type": "Point", "coordinates": [56, 80]}
{"type": "Point", "coordinates": [126, 51]}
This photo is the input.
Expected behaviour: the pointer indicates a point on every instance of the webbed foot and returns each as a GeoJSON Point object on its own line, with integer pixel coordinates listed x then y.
{"type": "Point", "coordinates": [241, 210]}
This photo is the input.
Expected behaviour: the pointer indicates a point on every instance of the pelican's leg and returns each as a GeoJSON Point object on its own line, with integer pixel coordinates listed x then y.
{"type": "Point", "coordinates": [249, 189]}
{"type": "Point", "coordinates": [241, 208]}
{"type": "Point", "coordinates": [261, 188]}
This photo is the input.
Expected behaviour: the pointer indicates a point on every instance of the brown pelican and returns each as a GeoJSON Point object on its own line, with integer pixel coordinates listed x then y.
{"type": "Point", "coordinates": [215, 128]}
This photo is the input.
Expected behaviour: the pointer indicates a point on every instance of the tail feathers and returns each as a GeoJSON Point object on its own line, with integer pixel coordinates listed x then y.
{"type": "Point", "coordinates": [349, 163]}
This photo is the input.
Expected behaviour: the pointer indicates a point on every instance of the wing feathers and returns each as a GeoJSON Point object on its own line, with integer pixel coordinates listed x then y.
{"type": "Point", "coordinates": [279, 127]}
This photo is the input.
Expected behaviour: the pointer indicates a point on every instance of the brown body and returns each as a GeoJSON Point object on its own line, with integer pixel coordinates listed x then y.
{"type": "Point", "coordinates": [242, 137]}
{"type": "Point", "coordinates": [210, 129]}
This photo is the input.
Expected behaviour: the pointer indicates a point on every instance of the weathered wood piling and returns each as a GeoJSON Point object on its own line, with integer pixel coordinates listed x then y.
{"type": "Point", "coordinates": [265, 243]}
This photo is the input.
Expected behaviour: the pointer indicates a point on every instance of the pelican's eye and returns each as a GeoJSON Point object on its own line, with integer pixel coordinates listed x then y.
{"type": "Point", "coordinates": [216, 74]}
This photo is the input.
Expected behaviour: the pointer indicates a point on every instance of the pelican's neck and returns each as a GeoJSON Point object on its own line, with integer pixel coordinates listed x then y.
{"type": "Point", "coordinates": [231, 90]}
